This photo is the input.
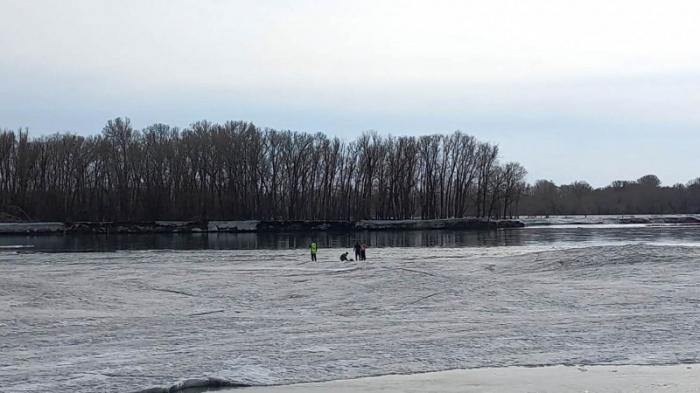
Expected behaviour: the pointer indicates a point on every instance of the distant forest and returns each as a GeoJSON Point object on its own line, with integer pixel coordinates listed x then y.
{"type": "Point", "coordinates": [643, 196]}
{"type": "Point", "coordinates": [237, 171]}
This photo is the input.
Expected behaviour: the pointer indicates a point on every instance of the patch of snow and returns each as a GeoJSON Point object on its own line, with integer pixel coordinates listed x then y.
{"type": "Point", "coordinates": [233, 226]}
{"type": "Point", "coordinates": [30, 227]}
{"type": "Point", "coordinates": [555, 379]}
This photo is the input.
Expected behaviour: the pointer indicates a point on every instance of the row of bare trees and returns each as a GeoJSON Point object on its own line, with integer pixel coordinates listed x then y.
{"type": "Point", "coordinates": [236, 170]}
{"type": "Point", "coordinates": [645, 195]}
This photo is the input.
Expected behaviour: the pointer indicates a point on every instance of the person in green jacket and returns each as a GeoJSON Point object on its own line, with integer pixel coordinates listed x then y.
{"type": "Point", "coordinates": [313, 247]}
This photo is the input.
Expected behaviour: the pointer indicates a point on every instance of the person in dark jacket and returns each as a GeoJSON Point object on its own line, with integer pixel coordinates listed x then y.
{"type": "Point", "coordinates": [358, 250]}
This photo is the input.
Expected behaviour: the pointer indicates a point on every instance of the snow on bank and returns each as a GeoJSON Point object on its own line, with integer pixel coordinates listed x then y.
{"type": "Point", "coordinates": [31, 227]}
{"type": "Point", "coordinates": [684, 378]}
{"type": "Point", "coordinates": [447, 223]}
{"type": "Point", "coordinates": [638, 219]}
{"type": "Point", "coordinates": [247, 226]}
{"type": "Point", "coordinates": [233, 226]}
{"type": "Point", "coordinates": [254, 226]}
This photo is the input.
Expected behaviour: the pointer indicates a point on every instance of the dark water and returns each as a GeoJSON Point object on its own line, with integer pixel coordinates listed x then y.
{"type": "Point", "coordinates": [591, 234]}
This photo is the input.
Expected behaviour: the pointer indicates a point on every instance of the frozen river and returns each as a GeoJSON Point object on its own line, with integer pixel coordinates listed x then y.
{"type": "Point", "coordinates": [131, 319]}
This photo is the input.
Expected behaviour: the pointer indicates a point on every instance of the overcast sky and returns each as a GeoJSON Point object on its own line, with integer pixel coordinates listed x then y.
{"type": "Point", "coordinates": [593, 90]}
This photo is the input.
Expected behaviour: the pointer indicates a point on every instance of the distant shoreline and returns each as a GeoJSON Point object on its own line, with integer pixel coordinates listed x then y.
{"type": "Point", "coordinates": [334, 226]}
{"type": "Point", "coordinates": [251, 226]}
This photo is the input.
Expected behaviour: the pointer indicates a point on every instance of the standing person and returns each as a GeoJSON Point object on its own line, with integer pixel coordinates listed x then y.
{"type": "Point", "coordinates": [358, 251]}
{"type": "Point", "coordinates": [313, 247]}
{"type": "Point", "coordinates": [363, 251]}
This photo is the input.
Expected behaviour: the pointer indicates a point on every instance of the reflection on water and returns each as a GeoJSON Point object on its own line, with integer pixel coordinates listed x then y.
{"type": "Point", "coordinates": [432, 238]}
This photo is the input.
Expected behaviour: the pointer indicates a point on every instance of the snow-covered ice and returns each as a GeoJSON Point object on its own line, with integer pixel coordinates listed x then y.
{"type": "Point", "coordinates": [130, 320]}
{"type": "Point", "coordinates": [553, 379]}
{"type": "Point", "coordinates": [626, 219]}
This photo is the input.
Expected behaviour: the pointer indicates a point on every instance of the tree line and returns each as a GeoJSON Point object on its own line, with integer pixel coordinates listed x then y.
{"type": "Point", "coordinates": [237, 171]}
{"type": "Point", "coordinates": [642, 196]}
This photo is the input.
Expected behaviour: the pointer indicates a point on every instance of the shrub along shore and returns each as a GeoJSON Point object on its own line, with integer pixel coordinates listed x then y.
{"type": "Point", "coordinates": [252, 226]}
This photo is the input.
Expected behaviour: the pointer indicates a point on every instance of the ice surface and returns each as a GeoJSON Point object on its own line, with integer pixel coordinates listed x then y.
{"type": "Point", "coordinates": [130, 320]}
{"type": "Point", "coordinates": [554, 379]}
{"type": "Point", "coordinates": [627, 219]}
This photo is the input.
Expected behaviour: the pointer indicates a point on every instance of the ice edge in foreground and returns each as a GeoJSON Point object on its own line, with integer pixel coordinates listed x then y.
{"type": "Point", "coordinates": [195, 383]}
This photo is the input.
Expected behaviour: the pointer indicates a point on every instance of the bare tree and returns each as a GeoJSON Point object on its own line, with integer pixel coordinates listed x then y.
{"type": "Point", "coordinates": [236, 170]}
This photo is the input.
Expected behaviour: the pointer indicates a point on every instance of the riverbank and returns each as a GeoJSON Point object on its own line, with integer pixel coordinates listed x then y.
{"type": "Point", "coordinates": [251, 226]}
{"type": "Point", "coordinates": [335, 226]}
{"type": "Point", "coordinates": [626, 219]}
{"type": "Point", "coordinates": [554, 379]}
